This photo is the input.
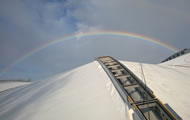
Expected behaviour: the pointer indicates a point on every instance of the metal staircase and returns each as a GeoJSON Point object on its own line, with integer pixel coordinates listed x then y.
{"type": "Point", "coordinates": [134, 92]}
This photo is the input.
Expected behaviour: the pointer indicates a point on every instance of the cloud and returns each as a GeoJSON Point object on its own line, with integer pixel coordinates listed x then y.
{"type": "Point", "coordinates": [25, 25]}
{"type": "Point", "coordinates": [161, 21]}
{"type": "Point", "coordinates": [28, 24]}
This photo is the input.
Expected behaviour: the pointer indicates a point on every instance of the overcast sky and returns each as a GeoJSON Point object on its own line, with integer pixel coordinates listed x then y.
{"type": "Point", "coordinates": [26, 24]}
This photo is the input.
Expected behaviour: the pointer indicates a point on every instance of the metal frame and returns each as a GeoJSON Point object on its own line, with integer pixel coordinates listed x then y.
{"type": "Point", "coordinates": [134, 92]}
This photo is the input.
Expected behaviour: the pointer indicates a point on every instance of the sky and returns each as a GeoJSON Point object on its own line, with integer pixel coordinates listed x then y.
{"type": "Point", "coordinates": [26, 25]}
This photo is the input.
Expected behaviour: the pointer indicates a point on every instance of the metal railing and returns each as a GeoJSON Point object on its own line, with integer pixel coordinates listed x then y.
{"type": "Point", "coordinates": [134, 92]}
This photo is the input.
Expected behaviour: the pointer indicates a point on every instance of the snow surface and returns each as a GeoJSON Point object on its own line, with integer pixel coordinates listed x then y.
{"type": "Point", "coordinates": [87, 93]}
{"type": "Point", "coordinates": [182, 61]}
{"type": "Point", "coordinates": [8, 85]}
{"type": "Point", "coordinates": [169, 81]}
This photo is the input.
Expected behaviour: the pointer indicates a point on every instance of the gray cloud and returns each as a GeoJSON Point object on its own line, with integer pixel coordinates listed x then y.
{"type": "Point", "coordinates": [25, 25]}
{"type": "Point", "coordinates": [162, 21]}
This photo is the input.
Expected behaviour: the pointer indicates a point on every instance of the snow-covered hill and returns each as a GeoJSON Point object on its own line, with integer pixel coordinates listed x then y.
{"type": "Point", "coordinates": [87, 93]}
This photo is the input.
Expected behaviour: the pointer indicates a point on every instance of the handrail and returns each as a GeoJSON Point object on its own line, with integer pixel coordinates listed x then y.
{"type": "Point", "coordinates": [135, 92]}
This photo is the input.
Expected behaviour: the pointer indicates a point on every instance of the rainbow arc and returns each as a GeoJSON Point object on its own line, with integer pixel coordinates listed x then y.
{"type": "Point", "coordinates": [91, 34]}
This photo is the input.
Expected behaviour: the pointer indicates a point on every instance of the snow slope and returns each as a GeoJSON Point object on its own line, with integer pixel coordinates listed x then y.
{"type": "Point", "coordinates": [169, 81]}
{"type": "Point", "coordinates": [87, 93]}
{"type": "Point", "coordinates": [8, 85]}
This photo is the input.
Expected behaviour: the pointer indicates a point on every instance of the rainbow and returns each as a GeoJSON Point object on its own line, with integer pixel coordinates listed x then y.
{"type": "Point", "coordinates": [91, 34]}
